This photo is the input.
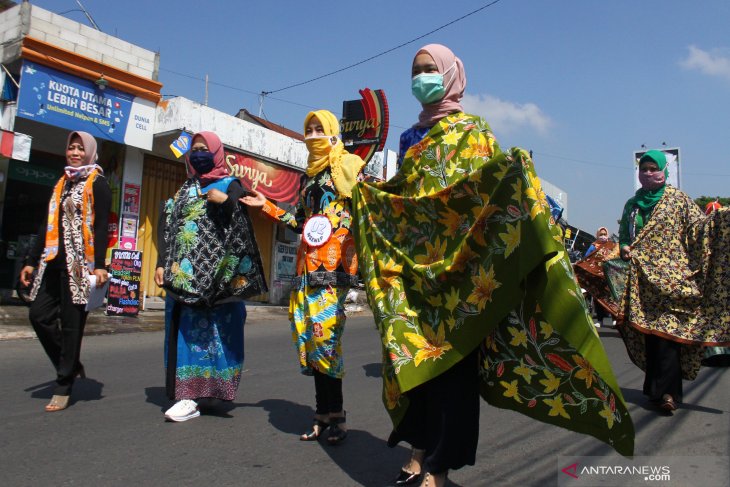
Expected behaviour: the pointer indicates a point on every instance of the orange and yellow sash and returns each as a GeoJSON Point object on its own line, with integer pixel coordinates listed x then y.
{"type": "Point", "coordinates": [87, 218]}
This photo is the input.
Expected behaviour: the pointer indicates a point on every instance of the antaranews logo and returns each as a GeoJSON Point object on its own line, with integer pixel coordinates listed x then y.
{"type": "Point", "coordinates": [648, 472]}
{"type": "Point", "coordinates": [571, 470]}
{"type": "Point", "coordinates": [642, 471]}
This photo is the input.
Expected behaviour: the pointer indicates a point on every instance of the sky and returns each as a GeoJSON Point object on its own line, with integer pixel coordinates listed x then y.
{"type": "Point", "coordinates": [583, 84]}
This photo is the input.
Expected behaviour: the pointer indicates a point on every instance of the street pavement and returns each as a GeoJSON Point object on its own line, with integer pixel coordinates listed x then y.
{"type": "Point", "coordinates": [114, 433]}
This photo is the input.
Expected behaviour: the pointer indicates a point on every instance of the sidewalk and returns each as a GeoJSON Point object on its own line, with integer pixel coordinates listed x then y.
{"type": "Point", "coordinates": [14, 322]}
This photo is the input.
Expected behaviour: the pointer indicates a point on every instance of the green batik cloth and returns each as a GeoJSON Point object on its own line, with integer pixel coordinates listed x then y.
{"type": "Point", "coordinates": [458, 251]}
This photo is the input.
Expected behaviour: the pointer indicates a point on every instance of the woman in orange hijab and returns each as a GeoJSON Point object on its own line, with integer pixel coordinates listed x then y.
{"type": "Point", "coordinates": [326, 266]}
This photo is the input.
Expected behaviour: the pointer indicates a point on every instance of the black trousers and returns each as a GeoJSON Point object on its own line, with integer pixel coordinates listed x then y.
{"type": "Point", "coordinates": [443, 418]}
{"type": "Point", "coordinates": [663, 368]}
{"type": "Point", "coordinates": [327, 393]}
{"type": "Point", "coordinates": [59, 325]}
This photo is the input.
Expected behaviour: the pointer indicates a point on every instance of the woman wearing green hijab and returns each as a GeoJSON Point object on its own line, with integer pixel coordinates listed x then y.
{"type": "Point", "coordinates": [676, 299]}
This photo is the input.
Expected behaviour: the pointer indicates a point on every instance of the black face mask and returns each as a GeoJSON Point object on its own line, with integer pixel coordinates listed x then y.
{"type": "Point", "coordinates": [202, 161]}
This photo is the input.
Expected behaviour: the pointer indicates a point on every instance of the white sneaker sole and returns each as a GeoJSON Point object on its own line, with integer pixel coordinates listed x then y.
{"type": "Point", "coordinates": [180, 419]}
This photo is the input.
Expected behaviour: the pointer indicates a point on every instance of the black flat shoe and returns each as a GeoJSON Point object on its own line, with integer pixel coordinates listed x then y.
{"type": "Point", "coordinates": [315, 433]}
{"type": "Point", "coordinates": [407, 478]}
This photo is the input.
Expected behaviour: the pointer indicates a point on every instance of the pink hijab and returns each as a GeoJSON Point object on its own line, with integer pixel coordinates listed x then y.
{"type": "Point", "coordinates": [89, 143]}
{"type": "Point", "coordinates": [454, 82]}
{"type": "Point", "coordinates": [220, 169]}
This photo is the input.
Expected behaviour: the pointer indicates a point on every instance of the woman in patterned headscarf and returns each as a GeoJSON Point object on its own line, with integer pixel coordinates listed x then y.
{"type": "Point", "coordinates": [208, 263]}
{"type": "Point", "coordinates": [326, 266]}
{"type": "Point", "coordinates": [472, 289]}
{"type": "Point", "coordinates": [676, 299]}
{"type": "Point", "coordinates": [73, 245]}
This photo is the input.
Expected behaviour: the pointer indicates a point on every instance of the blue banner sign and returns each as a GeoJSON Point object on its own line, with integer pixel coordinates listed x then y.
{"type": "Point", "coordinates": [57, 98]}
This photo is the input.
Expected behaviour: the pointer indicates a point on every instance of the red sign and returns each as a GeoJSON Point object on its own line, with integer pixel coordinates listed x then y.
{"type": "Point", "coordinates": [365, 123]}
{"type": "Point", "coordinates": [113, 232]}
{"type": "Point", "coordinates": [275, 182]}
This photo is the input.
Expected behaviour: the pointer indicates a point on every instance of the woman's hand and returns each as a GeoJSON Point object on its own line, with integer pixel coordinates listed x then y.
{"type": "Point", "coordinates": [254, 199]}
{"type": "Point", "coordinates": [626, 252]}
{"type": "Point", "coordinates": [159, 276]}
{"type": "Point", "coordinates": [216, 196]}
{"type": "Point", "coordinates": [101, 277]}
{"type": "Point", "coordinates": [26, 274]}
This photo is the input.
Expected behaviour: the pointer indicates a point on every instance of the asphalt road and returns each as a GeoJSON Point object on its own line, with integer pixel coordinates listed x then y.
{"type": "Point", "coordinates": [114, 433]}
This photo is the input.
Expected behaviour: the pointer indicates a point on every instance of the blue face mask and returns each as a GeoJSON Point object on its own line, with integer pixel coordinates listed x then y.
{"type": "Point", "coordinates": [202, 161]}
{"type": "Point", "coordinates": [428, 87]}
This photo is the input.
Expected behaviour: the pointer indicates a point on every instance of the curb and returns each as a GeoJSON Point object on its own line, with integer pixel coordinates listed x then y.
{"type": "Point", "coordinates": [14, 324]}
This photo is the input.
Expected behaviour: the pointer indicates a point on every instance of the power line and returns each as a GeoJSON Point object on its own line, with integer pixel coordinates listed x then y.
{"type": "Point", "coordinates": [267, 93]}
{"type": "Point", "coordinates": [625, 167]}
{"type": "Point", "coordinates": [383, 52]}
{"type": "Point", "coordinates": [580, 161]}
{"type": "Point", "coordinates": [234, 88]}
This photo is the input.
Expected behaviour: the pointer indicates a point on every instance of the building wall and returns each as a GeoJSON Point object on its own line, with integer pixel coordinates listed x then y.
{"type": "Point", "coordinates": [176, 113]}
{"type": "Point", "coordinates": [92, 43]}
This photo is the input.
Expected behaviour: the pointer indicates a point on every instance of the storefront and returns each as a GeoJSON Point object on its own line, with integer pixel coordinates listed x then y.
{"type": "Point", "coordinates": [60, 91]}
{"type": "Point", "coordinates": [264, 160]}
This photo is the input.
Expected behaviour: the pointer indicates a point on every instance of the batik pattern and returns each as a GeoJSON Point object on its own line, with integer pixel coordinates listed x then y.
{"type": "Point", "coordinates": [678, 281]}
{"type": "Point", "coordinates": [459, 251]}
{"type": "Point", "coordinates": [324, 275]}
{"type": "Point", "coordinates": [210, 256]}
{"type": "Point", "coordinates": [209, 349]}
{"type": "Point", "coordinates": [317, 316]}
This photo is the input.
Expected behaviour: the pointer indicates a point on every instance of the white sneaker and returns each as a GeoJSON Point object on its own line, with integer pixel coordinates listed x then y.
{"type": "Point", "coordinates": [182, 411]}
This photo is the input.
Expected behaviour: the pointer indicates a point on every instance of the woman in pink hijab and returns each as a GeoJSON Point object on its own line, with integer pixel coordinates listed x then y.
{"type": "Point", "coordinates": [450, 250]}
{"type": "Point", "coordinates": [71, 247]}
{"type": "Point", "coordinates": [438, 82]}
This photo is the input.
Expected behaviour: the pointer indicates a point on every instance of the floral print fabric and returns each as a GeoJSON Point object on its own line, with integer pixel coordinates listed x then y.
{"type": "Point", "coordinates": [678, 278]}
{"type": "Point", "coordinates": [209, 256]}
{"type": "Point", "coordinates": [458, 251]}
{"type": "Point", "coordinates": [317, 316]}
{"type": "Point", "coordinates": [324, 275]}
{"type": "Point", "coordinates": [335, 262]}
{"type": "Point", "coordinates": [208, 349]}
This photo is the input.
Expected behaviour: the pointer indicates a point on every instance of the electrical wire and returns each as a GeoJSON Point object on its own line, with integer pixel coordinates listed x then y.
{"type": "Point", "coordinates": [624, 167]}
{"type": "Point", "coordinates": [267, 93]}
{"type": "Point", "coordinates": [383, 52]}
{"type": "Point", "coordinates": [234, 88]}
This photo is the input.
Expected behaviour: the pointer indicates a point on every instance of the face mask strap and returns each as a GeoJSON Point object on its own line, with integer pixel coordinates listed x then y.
{"type": "Point", "coordinates": [453, 76]}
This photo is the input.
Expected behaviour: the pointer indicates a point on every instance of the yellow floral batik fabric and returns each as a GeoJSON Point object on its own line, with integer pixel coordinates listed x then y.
{"type": "Point", "coordinates": [317, 316]}
{"type": "Point", "coordinates": [678, 284]}
{"type": "Point", "coordinates": [458, 251]}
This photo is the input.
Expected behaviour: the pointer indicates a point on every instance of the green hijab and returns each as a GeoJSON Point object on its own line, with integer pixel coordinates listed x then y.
{"type": "Point", "coordinates": [644, 199]}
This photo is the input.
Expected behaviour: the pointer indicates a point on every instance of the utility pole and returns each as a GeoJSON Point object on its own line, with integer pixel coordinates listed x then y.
{"type": "Point", "coordinates": [262, 95]}
{"type": "Point", "coordinates": [205, 101]}
{"type": "Point", "coordinates": [88, 16]}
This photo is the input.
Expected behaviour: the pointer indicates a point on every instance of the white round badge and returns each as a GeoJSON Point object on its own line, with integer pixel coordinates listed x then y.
{"type": "Point", "coordinates": [317, 230]}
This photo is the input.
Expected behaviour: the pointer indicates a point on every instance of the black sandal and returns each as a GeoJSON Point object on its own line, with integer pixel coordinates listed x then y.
{"type": "Point", "coordinates": [314, 434]}
{"type": "Point", "coordinates": [337, 434]}
{"type": "Point", "coordinates": [408, 478]}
